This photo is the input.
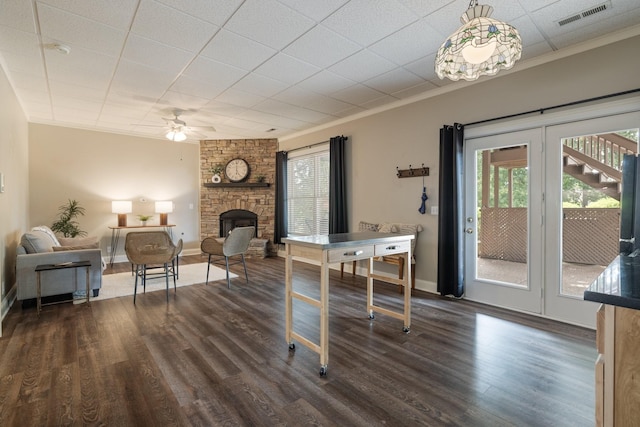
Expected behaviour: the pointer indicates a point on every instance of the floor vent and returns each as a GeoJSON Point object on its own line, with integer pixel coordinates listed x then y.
{"type": "Point", "coordinates": [585, 13]}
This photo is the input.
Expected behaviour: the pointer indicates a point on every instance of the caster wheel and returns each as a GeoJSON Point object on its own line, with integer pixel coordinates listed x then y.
{"type": "Point", "coordinates": [371, 316]}
{"type": "Point", "coordinates": [323, 371]}
{"type": "Point", "coordinates": [292, 347]}
{"type": "Point", "coordinates": [405, 330]}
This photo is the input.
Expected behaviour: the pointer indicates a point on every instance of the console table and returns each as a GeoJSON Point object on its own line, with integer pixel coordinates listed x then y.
{"type": "Point", "coordinates": [337, 248]}
{"type": "Point", "coordinates": [48, 267]}
{"type": "Point", "coordinates": [115, 236]}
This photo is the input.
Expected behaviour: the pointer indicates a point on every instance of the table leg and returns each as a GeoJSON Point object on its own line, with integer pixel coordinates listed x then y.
{"type": "Point", "coordinates": [38, 294]}
{"type": "Point", "coordinates": [88, 286]}
{"type": "Point", "coordinates": [288, 298]}
{"type": "Point", "coordinates": [115, 237]}
{"type": "Point", "coordinates": [324, 315]}
{"type": "Point", "coordinates": [370, 288]}
{"type": "Point", "coordinates": [407, 293]}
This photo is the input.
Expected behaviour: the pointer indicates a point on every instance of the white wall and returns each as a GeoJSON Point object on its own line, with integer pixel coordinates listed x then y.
{"type": "Point", "coordinates": [95, 168]}
{"type": "Point", "coordinates": [410, 134]}
{"type": "Point", "coordinates": [14, 208]}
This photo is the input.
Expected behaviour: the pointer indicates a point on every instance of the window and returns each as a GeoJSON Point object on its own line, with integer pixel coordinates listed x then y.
{"type": "Point", "coordinates": [308, 192]}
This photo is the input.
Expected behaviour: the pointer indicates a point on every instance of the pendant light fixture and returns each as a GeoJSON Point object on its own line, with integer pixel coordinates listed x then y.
{"type": "Point", "coordinates": [481, 46]}
{"type": "Point", "coordinates": [176, 134]}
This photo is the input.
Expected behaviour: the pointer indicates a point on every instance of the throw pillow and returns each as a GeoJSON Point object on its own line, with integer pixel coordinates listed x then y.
{"type": "Point", "coordinates": [75, 248]}
{"type": "Point", "coordinates": [48, 232]}
{"type": "Point", "coordinates": [387, 227]}
{"type": "Point", "coordinates": [367, 226]}
{"type": "Point", "coordinates": [78, 241]}
{"type": "Point", "coordinates": [36, 242]}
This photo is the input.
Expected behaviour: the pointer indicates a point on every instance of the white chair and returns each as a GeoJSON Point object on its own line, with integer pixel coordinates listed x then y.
{"type": "Point", "coordinates": [236, 243]}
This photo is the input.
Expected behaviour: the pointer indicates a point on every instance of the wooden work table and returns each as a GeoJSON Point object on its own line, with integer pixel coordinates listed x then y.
{"type": "Point", "coordinates": [337, 248]}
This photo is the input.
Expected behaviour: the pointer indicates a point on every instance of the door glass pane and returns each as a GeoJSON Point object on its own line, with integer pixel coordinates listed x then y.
{"type": "Point", "coordinates": [592, 166]}
{"type": "Point", "coordinates": [502, 211]}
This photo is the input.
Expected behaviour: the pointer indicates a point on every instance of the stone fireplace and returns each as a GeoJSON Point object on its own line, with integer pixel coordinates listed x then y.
{"type": "Point", "coordinates": [251, 202]}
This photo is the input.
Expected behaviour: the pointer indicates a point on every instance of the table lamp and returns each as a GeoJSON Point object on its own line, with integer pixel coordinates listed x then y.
{"type": "Point", "coordinates": [122, 208]}
{"type": "Point", "coordinates": [164, 208]}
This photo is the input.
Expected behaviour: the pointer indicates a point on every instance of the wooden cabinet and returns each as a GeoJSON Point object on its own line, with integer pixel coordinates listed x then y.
{"type": "Point", "coordinates": [618, 366]}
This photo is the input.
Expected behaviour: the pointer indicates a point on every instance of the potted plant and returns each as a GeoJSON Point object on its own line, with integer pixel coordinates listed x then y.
{"type": "Point", "coordinates": [144, 218]}
{"type": "Point", "coordinates": [66, 223]}
{"type": "Point", "coordinates": [216, 171]}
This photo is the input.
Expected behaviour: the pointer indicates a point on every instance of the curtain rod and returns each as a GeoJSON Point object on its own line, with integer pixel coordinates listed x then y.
{"type": "Point", "coordinates": [569, 104]}
{"type": "Point", "coordinates": [306, 147]}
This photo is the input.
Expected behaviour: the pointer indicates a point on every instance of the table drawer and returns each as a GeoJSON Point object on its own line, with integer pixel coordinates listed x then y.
{"type": "Point", "coordinates": [392, 248]}
{"type": "Point", "coordinates": [350, 254]}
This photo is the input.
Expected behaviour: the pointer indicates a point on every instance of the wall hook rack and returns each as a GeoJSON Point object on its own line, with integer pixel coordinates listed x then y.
{"type": "Point", "coordinates": [412, 172]}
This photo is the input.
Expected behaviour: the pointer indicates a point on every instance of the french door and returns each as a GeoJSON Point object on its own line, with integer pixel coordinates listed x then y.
{"type": "Point", "coordinates": [503, 262]}
{"type": "Point", "coordinates": [541, 213]}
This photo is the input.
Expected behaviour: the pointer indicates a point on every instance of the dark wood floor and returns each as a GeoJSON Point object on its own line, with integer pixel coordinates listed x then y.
{"type": "Point", "coordinates": [216, 356]}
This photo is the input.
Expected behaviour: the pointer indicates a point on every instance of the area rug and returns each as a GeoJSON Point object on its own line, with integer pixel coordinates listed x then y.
{"type": "Point", "coordinates": [121, 284]}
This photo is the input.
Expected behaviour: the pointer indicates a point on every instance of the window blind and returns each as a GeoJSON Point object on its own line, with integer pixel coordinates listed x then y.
{"type": "Point", "coordinates": [308, 192]}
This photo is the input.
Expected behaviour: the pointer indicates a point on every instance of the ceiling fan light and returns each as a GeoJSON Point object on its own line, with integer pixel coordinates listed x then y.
{"type": "Point", "coordinates": [481, 46]}
{"type": "Point", "coordinates": [176, 135]}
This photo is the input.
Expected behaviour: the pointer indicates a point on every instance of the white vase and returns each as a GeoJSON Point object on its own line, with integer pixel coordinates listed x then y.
{"type": "Point", "coordinates": [216, 179]}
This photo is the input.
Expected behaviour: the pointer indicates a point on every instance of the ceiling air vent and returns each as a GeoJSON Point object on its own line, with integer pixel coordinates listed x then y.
{"type": "Point", "coordinates": [585, 13]}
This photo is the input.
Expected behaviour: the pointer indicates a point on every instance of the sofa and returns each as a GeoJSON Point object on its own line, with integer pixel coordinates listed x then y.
{"type": "Point", "coordinates": [388, 227]}
{"type": "Point", "coordinates": [42, 246]}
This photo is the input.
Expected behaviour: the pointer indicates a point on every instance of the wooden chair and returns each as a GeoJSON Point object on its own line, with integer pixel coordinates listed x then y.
{"type": "Point", "coordinates": [236, 243]}
{"type": "Point", "coordinates": [151, 249]}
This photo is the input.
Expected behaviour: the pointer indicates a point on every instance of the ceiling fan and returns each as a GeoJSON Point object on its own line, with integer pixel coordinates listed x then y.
{"type": "Point", "coordinates": [177, 129]}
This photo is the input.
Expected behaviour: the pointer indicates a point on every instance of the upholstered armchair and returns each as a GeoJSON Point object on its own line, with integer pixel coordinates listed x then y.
{"type": "Point", "coordinates": [236, 243]}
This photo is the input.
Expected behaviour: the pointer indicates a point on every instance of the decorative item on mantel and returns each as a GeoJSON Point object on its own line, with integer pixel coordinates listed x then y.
{"type": "Point", "coordinates": [216, 171]}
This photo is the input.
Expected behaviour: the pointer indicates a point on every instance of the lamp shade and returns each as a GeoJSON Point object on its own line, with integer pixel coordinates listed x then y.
{"type": "Point", "coordinates": [121, 206]}
{"type": "Point", "coordinates": [481, 46]}
{"type": "Point", "coordinates": [176, 135]}
{"type": "Point", "coordinates": [164, 206]}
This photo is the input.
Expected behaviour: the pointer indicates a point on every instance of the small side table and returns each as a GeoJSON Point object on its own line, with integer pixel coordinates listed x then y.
{"type": "Point", "coordinates": [61, 266]}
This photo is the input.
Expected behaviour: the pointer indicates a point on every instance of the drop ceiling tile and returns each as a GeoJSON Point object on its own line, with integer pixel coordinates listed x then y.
{"type": "Point", "coordinates": [415, 90]}
{"type": "Point", "coordinates": [260, 85]}
{"type": "Point", "coordinates": [140, 80]}
{"type": "Point", "coordinates": [74, 30]}
{"type": "Point", "coordinates": [286, 69]}
{"type": "Point", "coordinates": [305, 98]}
{"type": "Point", "coordinates": [84, 66]}
{"type": "Point", "coordinates": [424, 67]}
{"type": "Point", "coordinates": [169, 26]}
{"type": "Point", "coordinates": [269, 22]}
{"type": "Point", "coordinates": [362, 66]}
{"type": "Point", "coordinates": [423, 8]}
{"type": "Point", "coordinates": [220, 75]}
{"type": "Point", "coordinates": [182, 100]}
{"type": "Point", "coordinates": [379, 102]}
{"type": "Point", "coordinates": [75, 116]}
{"type": "Point", "coordinates": [239, 98]}
{"type": "Point", "coordinates": [221, 109]}
{"type": "Point", "coordinates": [29, 81]}
{"type": "Point", "coordinates": [156, 55]}
{"type": "Point", "coordinates": [272, 120]}
{"type": "Point", "coordinates": [17, 15]}
{"type": "Point", "coordinates": [533, 50]}
{"type": "Point", "coordinates": [114, 13]}
{"type": "Point", "coordinates": [410, 43]}
{"type": "Point", "coordinates": [593, 27]}
{"type": "Point", "coordinates": [90, 93]}
{"type": "Point", "coordinates": [529, 32]}
{"type": "Point", "coordinates": [367, 21]}
{"type": "Point", "coordinates": [193, 87]}
{"type": "Point", "coordinates": [357, 94]}
{"type": "Point", "coordinates": [20, 42]}
{"type": "Point", "coordinates": [394, 81]}
{"type": "Point", "coordinates": [233, 49]}
{"type": "Point", "coordinates": [76, 103]}
{"type": "Point", "coordinates": [322, 47]}
{"type": "Point", "coordinates": [19, 63]}
{"type": "Point", "coordinates": [316, 10]}
{"type": "Point", "coordinates": [325, 82]}
{"type": "Point", "coordinates": [283, 109]}
{"type": "Point", "coordinates": [214, 11]}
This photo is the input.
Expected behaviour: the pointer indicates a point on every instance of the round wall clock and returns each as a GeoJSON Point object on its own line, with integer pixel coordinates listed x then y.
{"type": "Point", "coordinates": [237, 170]}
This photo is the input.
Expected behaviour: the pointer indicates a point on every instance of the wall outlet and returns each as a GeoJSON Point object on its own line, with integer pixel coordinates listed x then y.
{"type": "Point", "coordinates": [434, 210]}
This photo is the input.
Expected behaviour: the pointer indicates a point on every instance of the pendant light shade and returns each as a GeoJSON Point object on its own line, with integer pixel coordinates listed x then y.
{"type": "Point", "coordinates": [176, 135]}
{"type": "Point", "coordinates": [481, 46]}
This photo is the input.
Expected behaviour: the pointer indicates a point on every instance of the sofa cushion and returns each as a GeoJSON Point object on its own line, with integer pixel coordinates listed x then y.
{"type": "Point", "coordinates": [37, 242]}
{"type": "Point", "coordinates": [78, 241]}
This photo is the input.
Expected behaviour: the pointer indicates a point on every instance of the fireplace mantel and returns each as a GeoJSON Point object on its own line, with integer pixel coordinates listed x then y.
{"type": "Point", "coordinates": [237, 184]}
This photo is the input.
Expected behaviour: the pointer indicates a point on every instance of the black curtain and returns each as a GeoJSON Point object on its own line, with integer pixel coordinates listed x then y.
{"type": "Point", "coordinates": [338, 221]}
{"type": "Point", "coordinates": [451, 216]}
{"type": "Point", "coordinates": [280, 228]}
